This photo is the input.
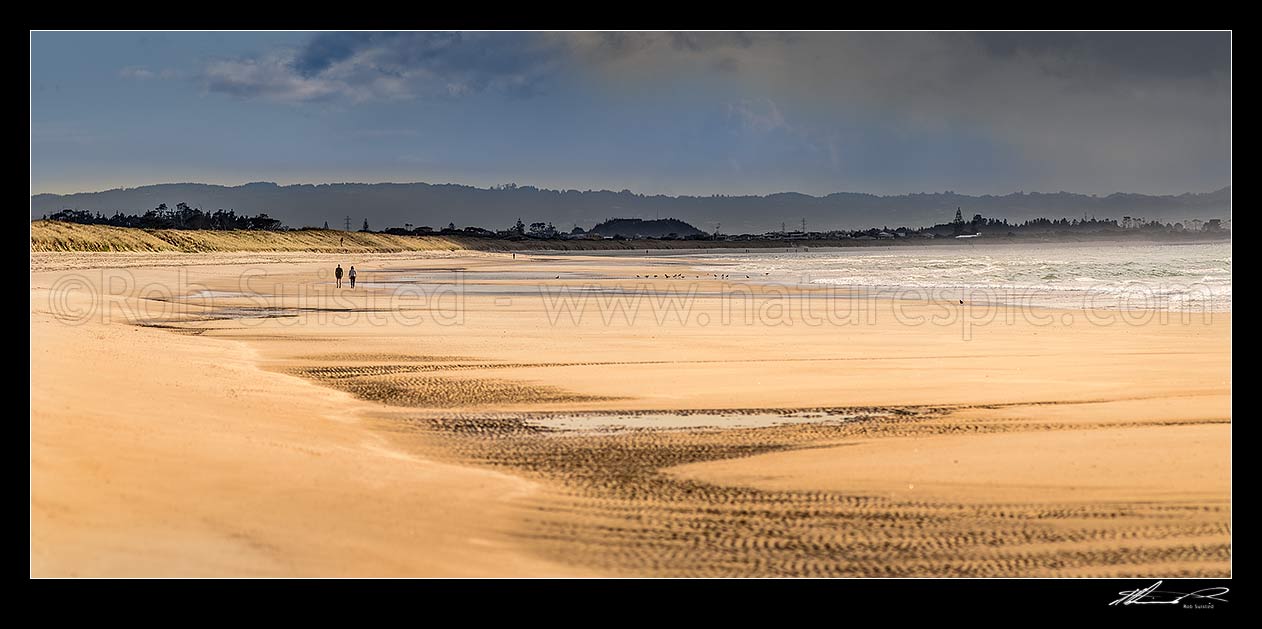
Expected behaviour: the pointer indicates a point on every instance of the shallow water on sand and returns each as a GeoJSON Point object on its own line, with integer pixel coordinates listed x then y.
{"type": "Point", "coordinates": [604, 422]}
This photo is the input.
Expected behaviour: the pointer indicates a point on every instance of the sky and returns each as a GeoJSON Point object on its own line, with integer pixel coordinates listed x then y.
{"type": "Point", "coordinates": [654, 112]}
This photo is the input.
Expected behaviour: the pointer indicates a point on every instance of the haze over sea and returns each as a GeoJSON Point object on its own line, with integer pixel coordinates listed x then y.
{"type": "Point", "coordinates": [1140, 276]}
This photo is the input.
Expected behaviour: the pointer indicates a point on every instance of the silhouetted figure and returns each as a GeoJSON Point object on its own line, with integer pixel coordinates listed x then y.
{"type": "Point", "coordinates": [341, 241]}
{"type": "Point", "coordinates": [337, 273]}
{"type": "Point", "coordinates": [351, 275]}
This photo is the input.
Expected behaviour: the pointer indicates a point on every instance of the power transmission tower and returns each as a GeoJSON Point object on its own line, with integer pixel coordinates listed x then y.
{"type": "Point", "coordinates": [803, 225]}
{"type": "Point", "coordinates": [348, 223]}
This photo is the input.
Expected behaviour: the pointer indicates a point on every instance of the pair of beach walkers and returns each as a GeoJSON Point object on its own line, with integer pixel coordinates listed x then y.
{"type": "Point", "coordinates": [350, 275]}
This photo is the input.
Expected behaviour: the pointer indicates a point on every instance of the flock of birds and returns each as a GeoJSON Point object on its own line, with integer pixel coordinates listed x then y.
{"type": "Point", "coordinates": [681, 276]}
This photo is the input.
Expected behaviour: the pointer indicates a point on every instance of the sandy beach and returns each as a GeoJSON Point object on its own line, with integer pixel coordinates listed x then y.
{"type": "Point", "coordinates": [496, 414]}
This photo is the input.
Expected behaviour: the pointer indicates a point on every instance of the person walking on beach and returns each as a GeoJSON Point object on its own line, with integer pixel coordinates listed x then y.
{"type": "Point", "coordinates": [337, 273]}
{"type": "Point", "coordinates": [351, 275]}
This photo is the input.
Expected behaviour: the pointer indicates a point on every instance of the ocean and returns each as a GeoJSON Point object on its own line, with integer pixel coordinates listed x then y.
{"type": "Point", "coordinates": [1126, 276]}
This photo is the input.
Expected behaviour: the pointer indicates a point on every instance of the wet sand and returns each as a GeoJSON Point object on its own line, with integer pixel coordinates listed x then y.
{"type": "Point", "coordinates": [449, 418]}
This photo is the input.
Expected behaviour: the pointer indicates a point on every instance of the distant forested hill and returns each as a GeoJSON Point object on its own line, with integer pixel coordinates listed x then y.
{"type": "Point", "coordinates": [394, 204]}
{"type": "Point", "coordinates": [634, 227]}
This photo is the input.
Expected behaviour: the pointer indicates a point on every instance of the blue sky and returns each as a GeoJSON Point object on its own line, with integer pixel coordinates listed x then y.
{"type": "Point", "coordinates": [673, 113]}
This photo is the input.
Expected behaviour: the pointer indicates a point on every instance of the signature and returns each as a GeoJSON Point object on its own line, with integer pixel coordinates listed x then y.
{"type": "Point", "coordinates": [1152, 596]}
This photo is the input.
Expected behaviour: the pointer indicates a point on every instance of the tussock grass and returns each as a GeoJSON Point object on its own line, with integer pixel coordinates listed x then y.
{"type": "Point", "coordinates": [59, 236]}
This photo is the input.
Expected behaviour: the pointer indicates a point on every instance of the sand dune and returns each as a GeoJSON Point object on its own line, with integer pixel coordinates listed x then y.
{"type": "Point", "coordinates": [58, 236]}
{"type": "Point", "coordinates": [47, 236]}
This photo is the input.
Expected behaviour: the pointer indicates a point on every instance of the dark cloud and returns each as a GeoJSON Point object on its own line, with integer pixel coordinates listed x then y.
{"type": "Point", "coordinates": [603, 46]}
{"type": "Point", "coordinates": [696, 42]}
{"type": "Point", "coordinates": [1112, 109]}
{"type": "Point", "coordinates": [485, 55]}
{"type": "Point", "coordinates": [325, 49]}
{"type": "Point", "coordinates": [464, 62]}
{"type": "Point", "coordinates": [364, 66]}
{"type": "Point", "coordinates": [1099, 111]}
{"type": "Point", "coordinates": [1140, 54]}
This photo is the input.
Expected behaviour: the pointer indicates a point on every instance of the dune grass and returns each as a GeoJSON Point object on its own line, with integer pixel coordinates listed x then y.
{"type": "Point", "coordinates": [58, 236]}
{"type": "Point", "coordinates": [54, 236]}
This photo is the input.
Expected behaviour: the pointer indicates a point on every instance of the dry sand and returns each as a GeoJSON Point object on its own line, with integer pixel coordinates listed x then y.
{"type": "Point", "coordinates": [278, 426]}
